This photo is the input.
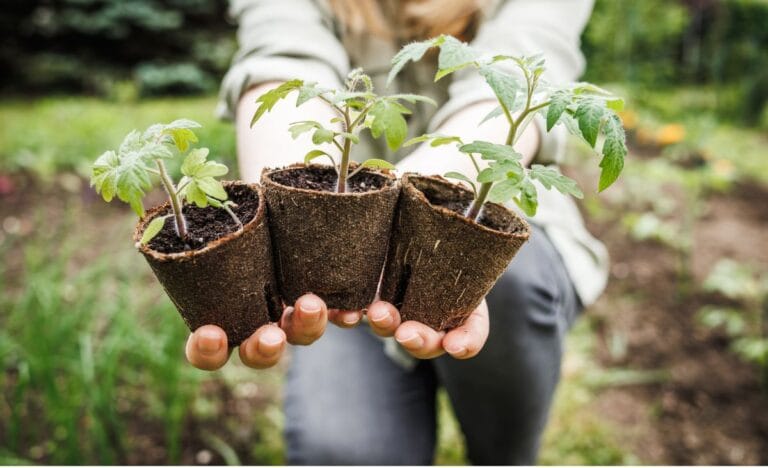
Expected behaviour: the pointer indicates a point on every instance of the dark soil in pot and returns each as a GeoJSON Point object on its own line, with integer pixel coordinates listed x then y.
{"type": "Point", "coordinates": [441, 264]}
{"type": "Point", "coordinates": [223, 275]}
{"type": "Point", "coordinates": [327, 243]}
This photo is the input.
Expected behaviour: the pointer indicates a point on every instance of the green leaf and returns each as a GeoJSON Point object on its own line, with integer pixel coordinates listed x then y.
{"type": "Point", "coordinates": [298, 128]}
{"type": "Point", "coordinates": [211, 187]}
{"type": "Point", "coordinates": [194, 161]}
{"type": "Point", "coordinates": [268, 100]}
{"type": "Point", "coordinates": [388, 120]}
{"type": "Point", "coordinates": [153, 228]}
{"type": "Point", "coordinates": [528, 199]}
{"type": "Point", "coordinates": [616, 104]}
{"type": "Point", "coordinates": [558, 102]}
{"type": "Point", "coordinates": [411, 52]}
{"type": "Point", "coordinates": [504, 86]}
{"type": "Point", "coordinates": [413, 98]}
{"type": "Point", "coordinates": [212, 169]}
{"type": "Point", "coordinates": [550, 177]}
{"type": "Point", "coordinates": [322, 135]}
{"type": "Point", "coordinates": [316, 154]}
{"type": "Point", "coordinates": [194, 194]}
{"type": "Point", "coordinates": [454, 55]}
{"type": "Point", "coordinates": [491, 151]}
{"type": "Point", "coordinates": [501, 170]}
{"type": "Point", "coordinates": [589, 114]}
{"type": "Point", "coordinates": [460, 176]}
{"type": "Point", "coordinates": [614, 152]}
{"type": "Point", "coordinates": [104, 175]}
{"type": "Point", "coordinates": [497, 111]}
{"type": "Point", "coordinates": [349, 136]}
{"type": "Point", "coordinates": [309, 91]}
{"type": "Point", "coordinates": [504, 191]}
{"type": "Point", "coordinates": [377, 164]}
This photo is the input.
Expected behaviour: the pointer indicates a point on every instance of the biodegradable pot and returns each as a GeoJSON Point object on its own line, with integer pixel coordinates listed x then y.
{"type": "Point", "coordinates": [327, 243]}
{"type": "Point", "coordinates": [229, 280]}
{"type": "Point", "coordinates": [441, 264]}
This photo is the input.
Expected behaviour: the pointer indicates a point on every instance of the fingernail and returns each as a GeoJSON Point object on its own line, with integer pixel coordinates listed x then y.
{"type": "Point", "coordinates": [350, 318]}
{"type": "Point", "coordinates": [380, 316]}
{"type": "Point", "coordinates": [456, 349]}
{"type": "Point", "coordinates": [412, 340]}
{"type": "Point", "coordinates": [311, 305]}
{"type": "Point", "coordinates": [270, 338]}
{"type": "Point", "coordinates": [208, 342]}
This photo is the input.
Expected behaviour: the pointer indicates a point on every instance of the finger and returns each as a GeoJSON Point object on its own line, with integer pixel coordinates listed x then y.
{"type": "Point", "coordinates": [264, 347]}
{"type": "Point", "coordinates": [305, 322]}
{"type": "Point", "coordinates": [419, 340]}
{"type": "Point", "coordinates": [206, 348]}
{"type": "Point", "coordinates": [384, 318]}
{"type": "Point", "coordinates": [467, 340]}
{"type": "Point", "coordinates": [345, 318]}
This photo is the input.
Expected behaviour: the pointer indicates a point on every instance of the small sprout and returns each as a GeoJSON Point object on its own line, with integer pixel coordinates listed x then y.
{"type": "Point", "coordinates": [128, 173]}
{"type": "Point", "coordinates": [358, 109]}
{"type": "Point", "coordinates": [583, 108]}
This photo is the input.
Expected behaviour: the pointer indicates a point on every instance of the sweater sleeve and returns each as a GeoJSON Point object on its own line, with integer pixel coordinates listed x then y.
{"type": "Point", "coordinates": [280, 40]}
{"type": "Point", "coordinates": [527, 27]}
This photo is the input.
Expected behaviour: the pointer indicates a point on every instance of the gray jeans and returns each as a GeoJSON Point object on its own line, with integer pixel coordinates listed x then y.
{"type": "Point", "coordinates": [348, 403]}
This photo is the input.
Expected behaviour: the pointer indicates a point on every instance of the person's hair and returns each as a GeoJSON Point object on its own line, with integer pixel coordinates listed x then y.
{"type": "Point", "coordinates": [418, 19]}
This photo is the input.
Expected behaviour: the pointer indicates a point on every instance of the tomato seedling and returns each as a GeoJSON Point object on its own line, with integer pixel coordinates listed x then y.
{"type": "Point", "coordinates": [132, 170]}
{"type": "Point", "coordinates": [583, 108]}
{"type": "Point", "coordinates": [358, 108]}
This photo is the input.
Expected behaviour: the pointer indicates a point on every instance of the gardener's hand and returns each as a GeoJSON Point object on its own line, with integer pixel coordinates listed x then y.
{"type": "Point", "coordinates": [300, 325]}
{"type": "Point", "coordinates": [424, 342]}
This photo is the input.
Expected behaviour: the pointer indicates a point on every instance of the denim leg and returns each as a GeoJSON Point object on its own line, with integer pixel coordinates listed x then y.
{"type": "Point", "coordinates": [502, 396]}
{"type": "Point", "coordinates": [348, 403]}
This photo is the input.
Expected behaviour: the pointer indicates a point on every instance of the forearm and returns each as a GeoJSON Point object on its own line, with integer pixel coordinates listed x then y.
{"type": "Point", "coordinates": [439, 160]}
{"type": "Point", "coordinates": [269, 144]}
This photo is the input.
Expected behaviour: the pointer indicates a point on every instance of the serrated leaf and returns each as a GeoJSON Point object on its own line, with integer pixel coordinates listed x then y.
{"type": "Point", "coordinates": [182, 137]}
{"type": "Point", "coordinates": [504, 191]}
{"type": "Point", "coordinates": [558, 102]}
{"type": "Point", "coordinates": [589, 114]}
{"type": "Point", "coordinates": [411, 52]}
{"type": "Point", "coordinates": [316, 154]}
{"type": "Point", "coordinates": [460, 176]}
{"type": "Point", "coordinates": [497, 111]}
{"type": "Point", "coordinates": [504, 86]}
{"type": "Point", "coordinates": [322, 135]}
{"type": "Point", "coordinates": [153, 229]}
{"type": "Point", "coordinates": [454, 55]}
{"type": "Point", "coordinates": [413, 98]}
{"type": "Point", "coordinates": [309, 91]}
{"type": "Point", "coordinates": [194, 161]}
{"type": "Point", "coordinates": [491, 151]}
{"type": "Point", "coordinates": [501, 170]}
{"type": "Point", "coordinates": [268, 100]}
{"type": "Point", "coordinates": [528, 200]}
{"type": "Point", "coordinates": [614, 152]}
{"type": "Point", "coordinates": [298, 128]}
{"type": "Point", "coordinates": [388, 120]}
{"type": "Point", "coordinates": [104, 175]}
{"type": "Point", "coordinates": [550, 178]}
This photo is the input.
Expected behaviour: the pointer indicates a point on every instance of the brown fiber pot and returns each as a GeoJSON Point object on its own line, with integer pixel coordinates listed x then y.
{"type": "Point", "coordinates": [229, 282]}
{"type": "Point", "coordinates": [327, 243]}
{"type": "Point", "coordinates": [441, 264]}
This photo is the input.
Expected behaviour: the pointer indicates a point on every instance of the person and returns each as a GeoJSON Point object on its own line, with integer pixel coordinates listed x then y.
{"type": "Point", "coordinates": [354, 397]}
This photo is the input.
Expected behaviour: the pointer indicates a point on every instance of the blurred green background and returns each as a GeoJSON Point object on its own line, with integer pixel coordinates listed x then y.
{"type": "Point", "coordinates": [671, 365]}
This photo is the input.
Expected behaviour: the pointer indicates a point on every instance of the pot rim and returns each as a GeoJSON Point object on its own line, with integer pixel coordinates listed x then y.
{"type": "Point", "coordinates": [266, 180]}
{"type": "Point", "coordinates": [408, 186]}
{"type": "Point", "coordinates": [210, 246]}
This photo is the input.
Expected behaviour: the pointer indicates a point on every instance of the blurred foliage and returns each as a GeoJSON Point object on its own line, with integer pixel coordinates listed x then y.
{"type": "Point", "coordinates": [31, 136]}
{"type": "Point", "coordinates": [178, 46]}
{"type": "Point", "coordinates": [655, 43]}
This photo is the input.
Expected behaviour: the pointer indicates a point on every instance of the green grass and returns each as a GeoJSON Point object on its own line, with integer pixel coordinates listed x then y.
{"type": "Point", "coordinates": [50, 135]}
